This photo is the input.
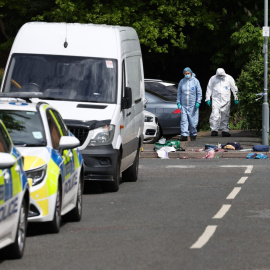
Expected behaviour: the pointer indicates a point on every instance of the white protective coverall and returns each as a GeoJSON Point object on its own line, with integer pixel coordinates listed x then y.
{"type": "Point", "coordinates": [220, 87]}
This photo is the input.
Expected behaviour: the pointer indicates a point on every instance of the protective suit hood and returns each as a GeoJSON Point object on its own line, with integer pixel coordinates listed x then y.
{"type": "Point", "coordinates": [220, 72]}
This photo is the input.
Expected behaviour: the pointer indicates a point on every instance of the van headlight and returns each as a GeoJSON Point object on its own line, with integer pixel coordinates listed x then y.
{"type": "Point", "coordinates": [37, 175]}
{"type": "Point", "coordinates": [102, 136]}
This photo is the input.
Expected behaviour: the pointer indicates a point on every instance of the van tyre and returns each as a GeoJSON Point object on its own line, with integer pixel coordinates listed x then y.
{"type": "Point", "coordinates": [56, 222]}
{"type": "Point", "coordinates": [15, 250]}
{"type": "Point", "coordinates": [131, 173]}
{"type": "Point", "coordinates": [113, 186]}
{"type": "Point", "coordinates": [76, 213]}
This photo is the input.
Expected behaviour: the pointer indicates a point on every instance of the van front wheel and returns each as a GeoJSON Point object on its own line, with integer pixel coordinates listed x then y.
{"type": "Point", "coordinates": [113, 186]}
{"type": "Point", "coordinates": [131, 173]}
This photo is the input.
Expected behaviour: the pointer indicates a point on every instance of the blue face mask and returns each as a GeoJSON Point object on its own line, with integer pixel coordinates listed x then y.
{"type": "Point", "coordinates": [187, 76]}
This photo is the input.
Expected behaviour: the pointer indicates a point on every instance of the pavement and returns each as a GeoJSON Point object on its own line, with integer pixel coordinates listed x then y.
{"type": "Point", "coordinates": [196, 149]}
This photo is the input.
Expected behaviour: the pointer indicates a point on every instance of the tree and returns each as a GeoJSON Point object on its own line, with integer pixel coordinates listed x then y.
{"type": "Point", "coordinates": [250, 83]}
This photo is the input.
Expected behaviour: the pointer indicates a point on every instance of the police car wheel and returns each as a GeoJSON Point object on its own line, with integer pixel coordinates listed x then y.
{"type": "Point", "coordinates": [76, 213]}
{"type": "Point", "coordinates": [56, 222]}
{"type": "Point", "coordinates": [131, 173]}
{"type": "Point", "coordinates": [17, 248]}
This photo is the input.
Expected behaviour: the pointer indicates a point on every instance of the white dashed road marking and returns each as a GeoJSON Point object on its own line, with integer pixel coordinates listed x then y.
{"type": "Point", "coordinates": [222, 212]}
{"type": "Point", "coordinates": [242, 180]}
{"type": "Point", "coordinates": [248, 170]}
{"type": "Point", "coordinates": [233, 194]}
{"type": "Point", "coordinates": [204, 238]}
{"type": "Point", "coordinates": [180, 166]}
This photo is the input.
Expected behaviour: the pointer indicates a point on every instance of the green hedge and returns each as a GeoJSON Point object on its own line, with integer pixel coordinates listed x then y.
{"type": "Point", "coordinates": [248, 115]}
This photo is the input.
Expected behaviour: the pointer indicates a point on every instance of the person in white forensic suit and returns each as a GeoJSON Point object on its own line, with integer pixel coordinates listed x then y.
{"type": "Point", "coordinates": [219, 88]}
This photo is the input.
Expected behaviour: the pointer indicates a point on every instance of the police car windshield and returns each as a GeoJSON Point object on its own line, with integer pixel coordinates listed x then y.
{"type": "Point", "coordinates": [63, 77]}
{"type": "Point", "coordinates": [25, 127]}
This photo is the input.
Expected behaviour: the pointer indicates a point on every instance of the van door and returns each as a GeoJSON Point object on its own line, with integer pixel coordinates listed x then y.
{"type": "Point", "coordinates": [126, 131]}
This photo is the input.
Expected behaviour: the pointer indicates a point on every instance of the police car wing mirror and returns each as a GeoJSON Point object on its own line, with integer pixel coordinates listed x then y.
{"type": "Point", "coordinates": [127, 99]}
{"type": "Point", "coordinates": [67, 142]}
{"type": "Point", "coordinates": [6, 161]}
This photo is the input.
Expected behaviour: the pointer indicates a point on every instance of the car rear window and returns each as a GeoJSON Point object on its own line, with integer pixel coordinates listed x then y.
{"type": "Point", "coordinates": [169, 91]}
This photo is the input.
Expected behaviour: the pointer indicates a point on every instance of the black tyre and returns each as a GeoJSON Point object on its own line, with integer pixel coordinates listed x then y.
{"type": "Point", "coordinates": [131, 173]}
{"type": "Point", "coordinates": [113, 186]}
{"type": "Point", "coordinates": [55, 224]}
{"type": "Point", "coordinates": [15, 250]}
{"type": "Point", "coordinates": [76, 213]}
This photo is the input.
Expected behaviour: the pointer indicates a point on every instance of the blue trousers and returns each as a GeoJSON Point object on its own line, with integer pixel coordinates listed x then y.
{"type": "Point", "coordinates": [189, 121]}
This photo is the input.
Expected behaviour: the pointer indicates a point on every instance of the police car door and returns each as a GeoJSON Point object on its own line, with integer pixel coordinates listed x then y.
{"type": "Point", "coordinates": [70, 175]}
{"type": "Point", "coordinates": [10, 192]}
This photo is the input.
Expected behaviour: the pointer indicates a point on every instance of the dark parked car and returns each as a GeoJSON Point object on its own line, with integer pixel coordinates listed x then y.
{"type": "Point", "coordinates": [162, 88]}
{"type": "Point", "coordinates": [166, 111]}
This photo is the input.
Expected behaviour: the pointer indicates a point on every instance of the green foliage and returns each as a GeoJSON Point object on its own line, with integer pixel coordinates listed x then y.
{"type": "Point", "coordinates": [160, 24]}
{"type": "Point", "coordinates": [250, 40]}
{"type": "Point", "coordinates": [250, 82]}
{"type": "Point", "coordinates": [228, 33]}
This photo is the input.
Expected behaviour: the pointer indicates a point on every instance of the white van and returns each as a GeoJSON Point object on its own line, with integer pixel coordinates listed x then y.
{"type": "Point", "coordinates": [93, 75]}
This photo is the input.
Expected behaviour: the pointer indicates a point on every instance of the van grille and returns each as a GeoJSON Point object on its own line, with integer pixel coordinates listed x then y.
{"type": "Point", "coordinates": [80, 133]}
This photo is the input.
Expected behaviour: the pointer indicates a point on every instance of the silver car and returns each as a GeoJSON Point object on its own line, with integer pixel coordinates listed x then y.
{"type": "Point", "coordinates": [166, 111]}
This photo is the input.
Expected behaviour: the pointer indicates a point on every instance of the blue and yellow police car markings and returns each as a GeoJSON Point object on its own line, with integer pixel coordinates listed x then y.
{"type": "Point", "coordinates": [33, 162]}
{"type": "Point", "coordinates": [9, 196]}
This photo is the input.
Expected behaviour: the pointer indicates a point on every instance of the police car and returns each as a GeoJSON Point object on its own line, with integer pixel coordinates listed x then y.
{"type": "Point", "coordinates": [14, 197]}
{"type": "Point", "coordinates": [52, 161]}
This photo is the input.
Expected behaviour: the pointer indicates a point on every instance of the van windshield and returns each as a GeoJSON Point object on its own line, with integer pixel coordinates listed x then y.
{"type": "Point", "coordinates": [63, 77]}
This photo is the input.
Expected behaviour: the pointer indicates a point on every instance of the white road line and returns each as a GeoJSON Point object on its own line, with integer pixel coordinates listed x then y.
{"type": "Point", "coordinates": [242, 180]}
{"type": "Point", "coordinates": [204, 238]}
{"type": "Point", "coordinates": [180, 166]}
{"type": "Point", "coordinates": [222, 212]}
{"type": "Point", "coordinates": [233, 194]}
{"type": "Point", "coordinates": [248, 170]}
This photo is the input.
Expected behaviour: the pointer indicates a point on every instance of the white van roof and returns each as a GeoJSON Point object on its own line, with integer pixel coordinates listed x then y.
{"type": "Point", "coordinates": [82, 39]}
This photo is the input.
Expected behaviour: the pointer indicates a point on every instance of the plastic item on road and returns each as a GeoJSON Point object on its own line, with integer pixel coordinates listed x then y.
{"type": "Point", "coordinates": [210, 153]}
{"type": "Point", "coordinates": [170, 143]}
{"type": "Point", "coordinates": [261, 148]}
{"type": "Point", "coordinates": [229, 147]}
{"type": "Point", "coordinates": [236, 145]}
{"type": "Point", "coordinates": [261, 156]}
{"type": "Point", "coordinates": [162, 141]}
{"type": "Point", "coordinates": [256, 156]}
{"type": "Point", "coordinates": [174, 143]}
{"type": "Point", "coordinates": [207, 146]}
{"type": "Point", "coordinates": [163, 152]}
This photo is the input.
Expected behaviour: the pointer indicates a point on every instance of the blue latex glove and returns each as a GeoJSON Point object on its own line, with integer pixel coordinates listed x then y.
{"type": "Point", "coordinates": [197, 105]}
{"type": "Point", "coordinates": [236, 102]}
{"type": "Point", "coordinates": [208, 102]}
{"type": "Point", "coordinates": [179, 105]}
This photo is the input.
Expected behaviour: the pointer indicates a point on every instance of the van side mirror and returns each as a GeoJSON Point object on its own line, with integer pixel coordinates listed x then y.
{"type": "Point", "coordinates": [127, 99]}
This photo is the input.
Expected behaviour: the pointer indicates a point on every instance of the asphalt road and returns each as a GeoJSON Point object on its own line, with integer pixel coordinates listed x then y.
{"type": "Point", "coordinates": [180, 214]}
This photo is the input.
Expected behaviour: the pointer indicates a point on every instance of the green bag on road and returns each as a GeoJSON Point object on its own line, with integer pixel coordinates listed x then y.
{"type": "Point", "coordinates": [174, 143]}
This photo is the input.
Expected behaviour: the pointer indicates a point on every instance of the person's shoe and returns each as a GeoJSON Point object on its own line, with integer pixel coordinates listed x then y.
{"type": "Point", "coordinates": [214, 133]}
{"type": "Point", "coordinates": [183, 138]}
{"type": "Point", "coordinates": [226, 134]}
{"type": "Point", "coordinates": [193, 138]}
